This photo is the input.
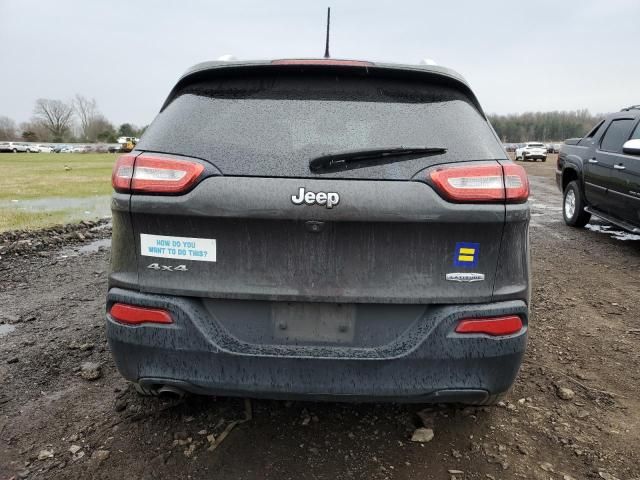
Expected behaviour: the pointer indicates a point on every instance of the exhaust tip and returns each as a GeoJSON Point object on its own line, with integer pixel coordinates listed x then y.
{"type": "Point", "coordinates": [171, 392]}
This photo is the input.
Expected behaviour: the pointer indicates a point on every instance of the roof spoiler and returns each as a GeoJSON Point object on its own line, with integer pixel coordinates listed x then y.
{"type": "Point", "coordinates": [220, 69]}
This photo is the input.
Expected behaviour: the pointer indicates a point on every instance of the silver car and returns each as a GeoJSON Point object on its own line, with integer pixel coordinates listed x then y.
{"type": "Point", "coordinates": [14, 147]}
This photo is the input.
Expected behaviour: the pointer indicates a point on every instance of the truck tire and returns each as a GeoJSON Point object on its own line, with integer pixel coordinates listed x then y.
{"type": "Point", "coordinates": [573, 206]}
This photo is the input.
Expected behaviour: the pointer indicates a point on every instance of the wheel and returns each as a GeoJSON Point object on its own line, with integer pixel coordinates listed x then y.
{"type": "Point", "coordinates": [15, 150]}
{"type": "Point", "coordinates": [518, 159]}
{"type": "Point", "coordinates": [573, 206]}
{"type": "Point", "coordinates": [544, 159]}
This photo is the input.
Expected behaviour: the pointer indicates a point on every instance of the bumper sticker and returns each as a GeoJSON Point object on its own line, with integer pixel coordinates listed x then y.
{"type": "Point", "coordinates": [179, 248]}
{"type": "Point", "coordinates": [466, 254]}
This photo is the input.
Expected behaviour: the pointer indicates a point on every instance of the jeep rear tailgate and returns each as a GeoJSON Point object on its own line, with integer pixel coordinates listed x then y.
{"type": "Point", "coordinates": [390, 238]}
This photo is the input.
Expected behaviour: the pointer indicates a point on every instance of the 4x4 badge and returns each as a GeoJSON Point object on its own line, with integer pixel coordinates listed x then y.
{"type": "Point", "coordinates": [168, 268]}
{"type": "Point", "coordinates": [465, 277]}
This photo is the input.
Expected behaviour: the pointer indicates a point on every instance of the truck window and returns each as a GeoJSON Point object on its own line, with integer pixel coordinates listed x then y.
{"type": "Point", "coordinates": [636, 133]}
{"type": "Point", "coordinates": [594, 130]}
{"type": "Point", "coordinates": [616, 135]}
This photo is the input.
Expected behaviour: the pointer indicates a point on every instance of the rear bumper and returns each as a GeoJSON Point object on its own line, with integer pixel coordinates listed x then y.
{"type": "Point", "coordinates": [530, 156]}
{"type": "Point", "coordinates": [427, 362]}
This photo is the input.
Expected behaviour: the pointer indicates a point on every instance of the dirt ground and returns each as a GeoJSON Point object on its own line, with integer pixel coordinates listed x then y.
{"type": "Point", "coordinates": [574, 411]}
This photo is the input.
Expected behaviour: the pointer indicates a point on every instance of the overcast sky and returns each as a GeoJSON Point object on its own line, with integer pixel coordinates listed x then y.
{"type": "Point", "coordinates": [517, 56]}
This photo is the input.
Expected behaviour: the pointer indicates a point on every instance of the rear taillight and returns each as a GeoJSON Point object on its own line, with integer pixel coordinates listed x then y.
{"type": "Point", "coordinates": [151, 174]}
{"type": "Point", "coordinates": [482, 183]}
{"type": "Point", "coordinates": [516, 183]}
{"type": "Point", "coordinates": [122, 173]}
{"type": "Point", "coordinates": [496, 326]}
{"type": "Point", "coordinates": [134, 315]}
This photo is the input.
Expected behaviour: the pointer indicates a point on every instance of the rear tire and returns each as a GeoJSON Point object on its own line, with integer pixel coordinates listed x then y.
{"type": "Point", "coordinates": [573, 206]}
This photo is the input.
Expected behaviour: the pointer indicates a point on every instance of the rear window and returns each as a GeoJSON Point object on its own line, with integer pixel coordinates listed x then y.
{"type": "Point", "coordinates": [616, 135]}
{"type": "Point", "coordinates": [273, 125]}
{"type": "Point", "coordinates": [594, 130]}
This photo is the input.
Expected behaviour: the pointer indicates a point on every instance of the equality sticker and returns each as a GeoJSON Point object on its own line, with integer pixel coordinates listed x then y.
{"type": "Point", "coordinates": [466, 254]}
{"type": "Point", "coordinates": [179, 248]}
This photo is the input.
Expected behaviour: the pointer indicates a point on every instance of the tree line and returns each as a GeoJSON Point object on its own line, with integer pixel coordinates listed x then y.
{"type": "Point", "coordinates": [77, 120]}
{"type": "Point", "coordinates": [543, 126]}
{"type": "Point", "coordinates": [80, 120]}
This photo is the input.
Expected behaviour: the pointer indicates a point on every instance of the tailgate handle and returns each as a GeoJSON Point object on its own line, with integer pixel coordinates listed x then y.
{"type": "Point", "coordinates": [314, 226]}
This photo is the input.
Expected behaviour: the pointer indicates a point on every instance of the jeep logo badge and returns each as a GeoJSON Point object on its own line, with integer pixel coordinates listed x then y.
{"type": "Point", "coordinates": [330, 199]}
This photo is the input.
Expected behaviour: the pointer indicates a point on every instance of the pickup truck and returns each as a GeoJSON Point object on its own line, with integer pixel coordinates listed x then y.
{"type": "Point", "coordinates": [532, 151]}
{"type": "Point", "coordinates": [600, 173]}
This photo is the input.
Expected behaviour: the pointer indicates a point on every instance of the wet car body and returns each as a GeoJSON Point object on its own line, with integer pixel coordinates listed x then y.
{"type": "Point", "coordinates": [298, 261]}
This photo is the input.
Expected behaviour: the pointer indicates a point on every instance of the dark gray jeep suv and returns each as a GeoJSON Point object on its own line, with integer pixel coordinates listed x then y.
{"type": "Point", "coordinates": [320, 229]}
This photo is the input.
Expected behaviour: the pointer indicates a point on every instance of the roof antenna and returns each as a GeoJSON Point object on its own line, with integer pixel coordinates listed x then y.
{"type": "Point", "coordinates": [326, 49]}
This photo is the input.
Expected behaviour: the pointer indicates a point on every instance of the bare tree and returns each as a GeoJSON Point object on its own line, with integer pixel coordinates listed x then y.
{"type": "Point", "coordinates": [100, 129]}
{"type": "Point", "coordinates": [7, 128]}
{"type": "Point", "coordinates": [56, 115]}
{"type": "Point", "coordinates": [87, 112]}
{"type": "Point", "coordinates": [36, 130]}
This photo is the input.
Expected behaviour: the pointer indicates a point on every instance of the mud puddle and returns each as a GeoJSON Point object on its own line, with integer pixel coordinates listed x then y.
{"type": "Point", "coordinates": [92, 247]}
{"type": "Point", "coordinates": [98, 205]}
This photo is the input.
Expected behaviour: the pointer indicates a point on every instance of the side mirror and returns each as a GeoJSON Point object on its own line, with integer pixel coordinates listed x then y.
{"type": "Point", "coordinates": [632, 147]}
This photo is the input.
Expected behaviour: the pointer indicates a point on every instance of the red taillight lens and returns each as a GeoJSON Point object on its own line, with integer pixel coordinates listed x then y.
{"type": "Point", "coordinates": [495, 327]}
{"type": "Point", "coordinates": [132, 315]}
{"type": "Point", "coordinates": [516, 183]}
{"type": "Point", "coordinates": [482, 183]}
{"type": "Point", "coordinates": [122, 173]}
{"type": "Point", "coordinates": [151, 174]}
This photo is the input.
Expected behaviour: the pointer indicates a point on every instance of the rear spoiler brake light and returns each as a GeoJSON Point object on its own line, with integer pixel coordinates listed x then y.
{"type": "Point", "coordinates": [322, 62]}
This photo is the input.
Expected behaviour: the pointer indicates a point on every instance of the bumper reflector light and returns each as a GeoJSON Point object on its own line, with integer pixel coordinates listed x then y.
{"type": "Point", "coordinates": [496, 326]}
{"type": "Point", "coordinates": [132, 315]}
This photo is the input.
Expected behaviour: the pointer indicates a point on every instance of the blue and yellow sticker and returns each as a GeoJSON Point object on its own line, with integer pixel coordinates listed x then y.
{"type": "Point", "coordinates": [466, 254]}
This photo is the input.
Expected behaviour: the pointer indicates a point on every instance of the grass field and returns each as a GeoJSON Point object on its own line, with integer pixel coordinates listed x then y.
{"type": "Point", "coordinates": [43, 189]}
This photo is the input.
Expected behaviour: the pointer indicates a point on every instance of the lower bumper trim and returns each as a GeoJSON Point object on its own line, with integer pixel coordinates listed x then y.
{"type": "Point", "coordinates": [465, 396]}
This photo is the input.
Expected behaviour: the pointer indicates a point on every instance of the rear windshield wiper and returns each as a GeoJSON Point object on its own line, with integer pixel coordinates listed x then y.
{"type": "Point", "coordinates": [368, 157]}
